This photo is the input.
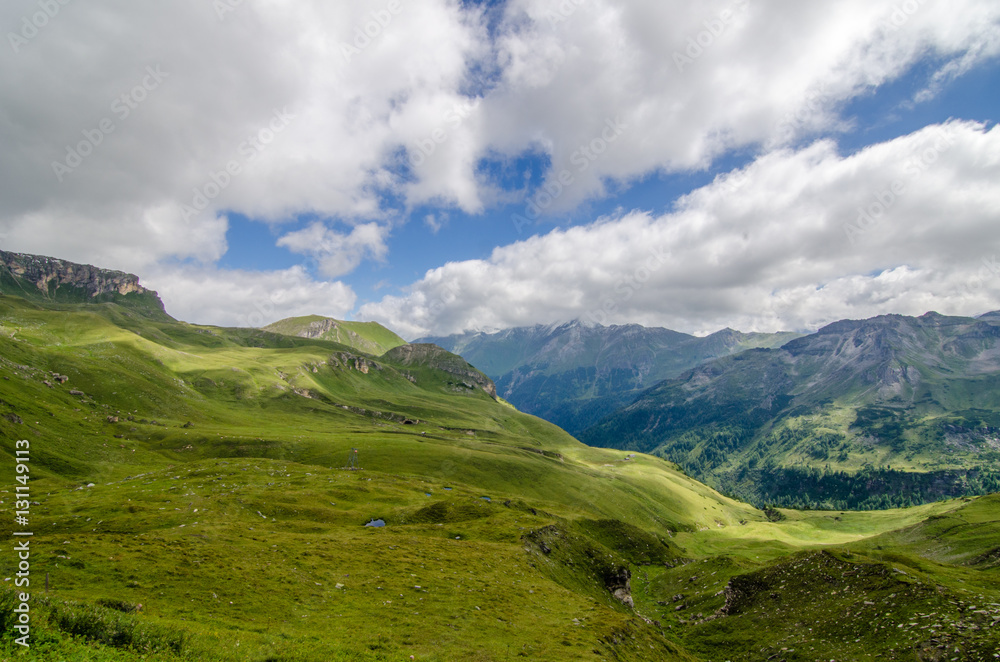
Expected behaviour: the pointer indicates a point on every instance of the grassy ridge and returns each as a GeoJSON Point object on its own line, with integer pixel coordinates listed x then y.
{"type": "Point", "coordinates": [367, 337]}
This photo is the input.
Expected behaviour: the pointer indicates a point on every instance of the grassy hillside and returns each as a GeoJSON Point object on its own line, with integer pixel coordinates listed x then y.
{"type": "Point", "coordinates": [192, 504]}
{"type": "Point", "coordinates": [368, 337]}
{"type": "Point", "coordinates": [216, 461]}
{"type": "Point", "coordinates": [874, 413]}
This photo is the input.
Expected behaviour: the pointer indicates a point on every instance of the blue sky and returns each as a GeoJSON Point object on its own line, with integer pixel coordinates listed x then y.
{"type": "Point", "coordinates": [884, 113]}
{"type": "Point", "coordinates": [382, 176]}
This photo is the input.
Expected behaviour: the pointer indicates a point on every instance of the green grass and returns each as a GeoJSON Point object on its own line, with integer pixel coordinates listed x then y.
{"type": "Point", "coordinates": [368, 337]}
{"type": "Point", "coordinates": [221, 505]}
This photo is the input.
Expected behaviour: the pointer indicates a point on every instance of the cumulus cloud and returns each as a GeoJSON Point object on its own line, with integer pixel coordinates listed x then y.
{"type": "Point", "coordinates": [796, 239]}
{"type": "Point", "coordinates": [355, 111]}
{"type": "Point", "coordinates": [337, 253]}
{"type": "Point", "coordinates": [691, 81]}
{"type": "Point", "coordinates": [242, 298]}
{"type": "Point", "coordinates": [132, 130]}
{"type": "Point", "coordinates": [260, 112]}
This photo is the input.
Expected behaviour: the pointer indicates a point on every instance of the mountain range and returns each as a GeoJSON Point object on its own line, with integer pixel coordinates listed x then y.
{"type": "Point", "coordinates": [575, 374]}
{"type": "Point", "coordinates": [912, 403]}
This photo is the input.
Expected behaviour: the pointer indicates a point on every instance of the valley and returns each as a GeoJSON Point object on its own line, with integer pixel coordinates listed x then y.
{"type": "Point", "coordinates": [192, 499]}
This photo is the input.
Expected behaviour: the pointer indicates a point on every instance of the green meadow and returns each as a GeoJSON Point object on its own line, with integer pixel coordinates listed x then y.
{"type": "Point", "coordinates": [191, 501]}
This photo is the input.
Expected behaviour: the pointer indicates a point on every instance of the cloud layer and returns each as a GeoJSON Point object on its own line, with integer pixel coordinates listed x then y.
{"type": "Point", "coordinates": [131, 130]}
{"type": "Point", "coordinates": [794, 240]}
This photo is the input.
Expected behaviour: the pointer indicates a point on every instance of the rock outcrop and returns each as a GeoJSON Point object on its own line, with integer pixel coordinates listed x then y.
{"type": "Point", "coordinates": [48, 273]}
{"type": "Point", "coordinates": [618, 582]}
{"type": "Point", "coordinates": [432, 356]}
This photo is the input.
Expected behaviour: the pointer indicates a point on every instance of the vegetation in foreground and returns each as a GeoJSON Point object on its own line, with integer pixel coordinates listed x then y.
{"type": "Point", "coordinates": [192, 504]}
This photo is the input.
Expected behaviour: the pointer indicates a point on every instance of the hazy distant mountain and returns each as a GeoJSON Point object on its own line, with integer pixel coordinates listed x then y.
{"type": "Point", "coordinates": [574, 374]}
{"type": "Point", "coordinates": [917, 394]}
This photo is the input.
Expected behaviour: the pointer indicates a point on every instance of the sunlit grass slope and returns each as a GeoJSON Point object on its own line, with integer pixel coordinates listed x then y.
{"type": "Point", "coordinates": [217, 456]}
{"type": "Point", "coordinates": [199, 472]}
{"type": "Point", "coordinates": [369, 337]}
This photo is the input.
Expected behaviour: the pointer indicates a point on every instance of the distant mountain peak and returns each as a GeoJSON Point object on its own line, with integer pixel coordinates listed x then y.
{"type": "Point", "coordinates": [368, 337]}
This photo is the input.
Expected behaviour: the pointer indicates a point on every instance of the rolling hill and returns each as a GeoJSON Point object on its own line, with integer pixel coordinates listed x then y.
{"type": "Point", "coordinates": [196, 495]}
{"type": "Point", "coordinates": [890, 410]}
{"type": "Point", "coordinates": [367, 337]}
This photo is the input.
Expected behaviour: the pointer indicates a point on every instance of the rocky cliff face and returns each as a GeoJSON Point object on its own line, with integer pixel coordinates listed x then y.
{"type": "Point", "coordinates": [319, 328]}
{"type": "Point", "coordinates": [47, 273]}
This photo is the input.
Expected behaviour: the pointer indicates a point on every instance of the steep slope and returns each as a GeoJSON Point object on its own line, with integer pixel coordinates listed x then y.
{"type": "Point", "coordinates": [424, 356]}
{"type": "Point", "coordinates": [47, 279]}
{"type": "Point", "coordinates": [199, 471]}
{"type": "Point", "coordinates": [368, 337]}
{"type": "Point", "coordinates": [574, 374]}
{"type": "Point", "coordinates": [914, 394]}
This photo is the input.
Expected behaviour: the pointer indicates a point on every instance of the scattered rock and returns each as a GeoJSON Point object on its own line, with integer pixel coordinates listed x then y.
{"type": "Point", "coordinates": [618, 582]}
{"type": "Point", "coordinates": [14, 418]}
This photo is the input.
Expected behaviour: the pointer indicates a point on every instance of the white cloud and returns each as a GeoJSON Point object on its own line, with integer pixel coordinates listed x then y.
{"type": "Point", "coordinates": [263, 111]}
{"type": "Point", "coordinates": [694, 80]}
{"type": "Point", "coordinates": [266, 89]}
{"type": "Point", "coordinates": [556, 72]}
{"type": "Point", "coordinates": [338, 254]}
{"type": "Point", "coordinates": [89, 236]}
{"type": "Point", "coordinates": [246, 298]}
{"type": "Point", "coordinates": [435, 222]}
{"type": "Point", "coordinates": [794, 240]}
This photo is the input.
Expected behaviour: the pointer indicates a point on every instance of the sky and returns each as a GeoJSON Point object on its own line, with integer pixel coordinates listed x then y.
{"type": "Point", "coordinates": [443, 166]}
